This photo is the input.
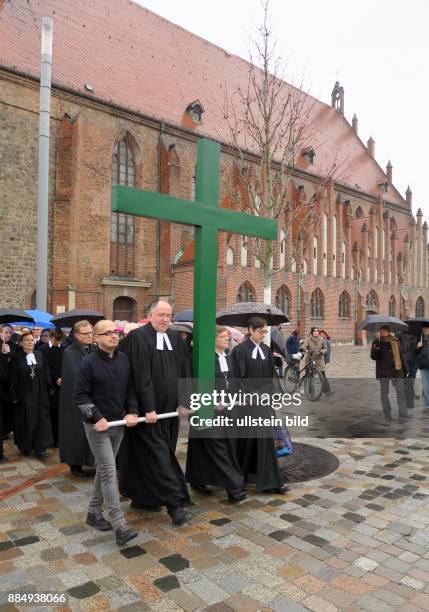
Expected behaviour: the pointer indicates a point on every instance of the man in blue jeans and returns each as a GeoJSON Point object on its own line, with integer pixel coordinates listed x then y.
{"type": "Point", "coordinates": [104, 393]}
{"type": "Point", "coordinates": [422, 352]}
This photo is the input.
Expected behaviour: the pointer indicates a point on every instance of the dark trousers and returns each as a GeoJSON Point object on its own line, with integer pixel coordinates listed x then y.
{"type": "Point", "coordinates": [325, 383]}
{"type": "Point", "coordinates": [1, 430]}
{"type": "Point", "coordinates": [398, 384]}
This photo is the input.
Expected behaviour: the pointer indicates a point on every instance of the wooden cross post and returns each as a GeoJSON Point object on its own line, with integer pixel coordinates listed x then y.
{"type": "Point", "coordinates": [208, 219]}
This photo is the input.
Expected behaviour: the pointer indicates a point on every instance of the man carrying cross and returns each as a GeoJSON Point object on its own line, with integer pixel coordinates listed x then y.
{"type": "Point", "coordinates": [149, 472]}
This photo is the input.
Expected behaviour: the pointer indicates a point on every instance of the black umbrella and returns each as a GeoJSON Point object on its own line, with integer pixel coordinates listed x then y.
{"type": "Point", "coordinates": [184, 315]}
{"type": "Point", "coordinates": [14, 315]}
{"type": "Point", "coordinates": [239, 314]}
{"type": "Point", "coordinates": [416, 323]}
{"type": "Point", "coordinates": [375, 321]}
{"type": "Point", "coordinates": [68, 319]}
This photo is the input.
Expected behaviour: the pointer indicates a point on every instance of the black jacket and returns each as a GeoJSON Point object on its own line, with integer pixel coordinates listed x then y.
{"type": "Point", "coordinates": [382, 353]}
{"type": "Point", "coordinates": [103, 387]}
{"type": "Point", "coordinates": [422, 354]}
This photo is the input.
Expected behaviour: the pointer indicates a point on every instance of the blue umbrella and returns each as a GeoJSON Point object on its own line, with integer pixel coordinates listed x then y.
{"type": "Point", "coordinates": [40, 319]}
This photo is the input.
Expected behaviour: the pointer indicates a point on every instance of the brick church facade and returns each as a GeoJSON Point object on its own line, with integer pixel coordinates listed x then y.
{"type": "Point", "coordinates": [131, 95]}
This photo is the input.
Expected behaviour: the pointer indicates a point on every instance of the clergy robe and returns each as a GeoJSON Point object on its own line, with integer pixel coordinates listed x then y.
{"type": "Point", "coordinates": [73, 443]}
{"type": "Point", "coordinates": [54, 358]}
{"type": "Point", "coordinates": [32, 427]}
{"type": "Point", "coordinates": [213, 460]}
{"type": "Point", "coordinates": [256, 456]}
{"type": "Point", "coordinates": [6, 399]}
{"type": "Point", "coordinates": [149, 472]}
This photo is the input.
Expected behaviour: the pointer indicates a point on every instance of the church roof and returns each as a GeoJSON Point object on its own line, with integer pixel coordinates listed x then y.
{"type": "Point", "coordinates": [135, 59]}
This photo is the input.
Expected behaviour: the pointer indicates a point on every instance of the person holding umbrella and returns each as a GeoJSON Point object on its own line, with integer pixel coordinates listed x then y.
{"type": "Point", "coordinates": [390, 365]}
{"type": "Point", "coordinates": [422, 356]}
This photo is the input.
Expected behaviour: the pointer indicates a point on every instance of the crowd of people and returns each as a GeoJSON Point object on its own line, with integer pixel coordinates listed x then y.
{"type": "Point", "coordinates": [398, 359]}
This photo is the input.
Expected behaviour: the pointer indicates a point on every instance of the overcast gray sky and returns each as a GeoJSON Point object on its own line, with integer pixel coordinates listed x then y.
{"type": "Point", "coordinates": [377, 49]}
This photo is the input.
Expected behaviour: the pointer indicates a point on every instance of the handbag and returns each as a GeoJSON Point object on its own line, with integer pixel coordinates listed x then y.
{"type": "Point", "coordinates": [282, 442]}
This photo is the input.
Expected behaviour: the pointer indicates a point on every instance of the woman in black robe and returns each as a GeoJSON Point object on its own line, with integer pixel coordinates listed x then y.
{"type": "Point", "coordinates": [30, 382]}
{"type": "Point", "coordinates": [212, 460]}
{"type": "Point", "coordinates": [254, 368]}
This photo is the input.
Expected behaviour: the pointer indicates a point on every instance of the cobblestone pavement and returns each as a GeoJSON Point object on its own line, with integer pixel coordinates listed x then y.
{"type": "Point", "coordinates": [357, 539]}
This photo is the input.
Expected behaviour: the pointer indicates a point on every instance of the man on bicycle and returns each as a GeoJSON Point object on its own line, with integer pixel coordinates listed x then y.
{"type": "Point", "coordinates": [315, 347]}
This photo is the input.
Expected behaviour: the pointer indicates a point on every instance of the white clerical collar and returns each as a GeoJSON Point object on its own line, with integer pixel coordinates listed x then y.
{"type": "Point", "coordinates": [160, 339]}
{"type": "Point", "coordinates": [31, 360]}
{"type": "Point", "coordinates": [257, 350]}
{"type": "Point", "coordinates": [223, 362]}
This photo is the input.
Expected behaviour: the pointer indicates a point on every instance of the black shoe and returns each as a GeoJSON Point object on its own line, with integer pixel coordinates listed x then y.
{"type": "Point", "coordinates": [41, 455]}
{"type": "Point", "coordinates": [235, 495]}
{"type": "Point", "coordinates": [99, 522]}
{"type": "Point", "coordinates": [137, 506]}
{"type": "Point", "coordinates": [124, 534]}
{"type": "Point", "coordinates": [277, 490]}
{"type": "Point", "coordinates": [178, 516]}
{"type": "Point", "coordinates": [77, 470]}
{"type": "Point", "coordinates": [3, 458]}
{"type": "Point", "coordinates": [90, 471]}
{"type": "Point", "coordinates": [202, 489]}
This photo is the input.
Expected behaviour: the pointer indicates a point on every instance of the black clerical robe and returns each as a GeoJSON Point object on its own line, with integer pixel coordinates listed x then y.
{"type": "Point", "coordinates": [32, 427]}
{"type": "Point", "coordinates": [73, 443]}
{"type": "Point", "coordinates": [149, 472]}
{"type": "Point", "coordinates": [54, 357]}
{"type": "Point", "coordinates": [212, 460]}
{"type": "Point", "coordinates": [256, 455]}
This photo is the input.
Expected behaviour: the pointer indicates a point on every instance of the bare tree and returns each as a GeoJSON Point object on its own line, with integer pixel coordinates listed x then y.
{"type": "Point", "coordinates": [270, 125]}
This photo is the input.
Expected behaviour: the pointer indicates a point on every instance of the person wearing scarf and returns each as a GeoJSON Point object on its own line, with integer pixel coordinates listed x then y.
{"type": "Point", "coordinates": [390, 366]}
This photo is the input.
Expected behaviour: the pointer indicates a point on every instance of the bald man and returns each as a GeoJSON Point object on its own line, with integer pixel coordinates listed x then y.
{"type": "Point", "coordinates": [149, 473]}
{"type": "Point", "coordinates": [104, 393]}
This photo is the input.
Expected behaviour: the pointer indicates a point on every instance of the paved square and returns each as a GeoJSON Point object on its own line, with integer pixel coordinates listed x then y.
{"type": "Point", "coordinates": [357, 539]}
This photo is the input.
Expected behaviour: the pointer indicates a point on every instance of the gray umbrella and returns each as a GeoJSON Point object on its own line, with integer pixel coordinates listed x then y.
{"type": "Point", "coordinates": [375, 321]}
{"type": "Point", "coordinates": [239, 314]}
{"type": "Point", "coordinates": [69, 318]}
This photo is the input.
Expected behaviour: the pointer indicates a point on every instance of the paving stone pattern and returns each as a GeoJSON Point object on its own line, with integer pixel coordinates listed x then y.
{"type": "Point", "coordinates": [357, 539]}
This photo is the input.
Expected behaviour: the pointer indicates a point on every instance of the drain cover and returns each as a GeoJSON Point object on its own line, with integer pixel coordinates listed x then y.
{"type": "Point", "coordinates": [307, 462]}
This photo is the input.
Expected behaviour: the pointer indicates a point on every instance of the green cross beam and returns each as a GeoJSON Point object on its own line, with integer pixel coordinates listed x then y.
{"type": "Point", "coordinates": [207, 218]}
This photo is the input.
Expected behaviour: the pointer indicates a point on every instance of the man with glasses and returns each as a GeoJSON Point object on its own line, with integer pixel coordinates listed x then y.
{"type": "Point", "coordinates": [149, 473]}
{"type": "Point", "coordinates": [74, 447]}
{"type": "Point", "coordinates": [253, 365]}
{"type": "Point", "coordinates": [104, 393]}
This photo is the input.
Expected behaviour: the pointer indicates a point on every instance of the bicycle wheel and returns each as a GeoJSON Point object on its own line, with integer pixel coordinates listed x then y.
{"type": "Point", "coordinates": [290, 378]}
{"type": "Point", "coordinates": [313, 385]}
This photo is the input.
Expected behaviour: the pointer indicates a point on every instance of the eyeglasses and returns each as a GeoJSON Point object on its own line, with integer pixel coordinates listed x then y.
{"type": "Point", "coordinates": [85, 334]}
{"type": "Point", "coordinates": [110, 332]}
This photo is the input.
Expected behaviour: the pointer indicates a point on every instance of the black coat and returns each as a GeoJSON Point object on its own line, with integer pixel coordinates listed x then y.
{"type": "Point", "coordinates": [32, 426]}
{"type": "Point", "coordinates": [212, 460]}
{"type": "Point", "coordinates": [74, 447]}
{"type": "Point", "coordinates": [381, 352]}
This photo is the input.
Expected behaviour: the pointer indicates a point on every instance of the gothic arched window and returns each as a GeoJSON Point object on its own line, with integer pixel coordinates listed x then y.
{"type": "Point", "coordinates": [392, 306]}
{"type": "Point", "coordinates": [246, 293]}
{"type": "Point", "coordinates": [344, 305]}
{"type": "Point", "coordinates": [121, 224]}
{"type": "Point", "coordinates": [420, 307]}
{"type": "Point", "coordinates": [317, 304]}
{"type": "Point", "coordinates": [283, 299]}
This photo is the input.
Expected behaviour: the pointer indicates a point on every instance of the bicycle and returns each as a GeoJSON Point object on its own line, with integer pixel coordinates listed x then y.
{"type": "Point", "coordinates": [309, 379]}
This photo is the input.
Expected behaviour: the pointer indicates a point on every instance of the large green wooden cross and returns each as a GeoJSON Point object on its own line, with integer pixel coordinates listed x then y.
{"type": "Point", "coordinates": [208, 219]}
